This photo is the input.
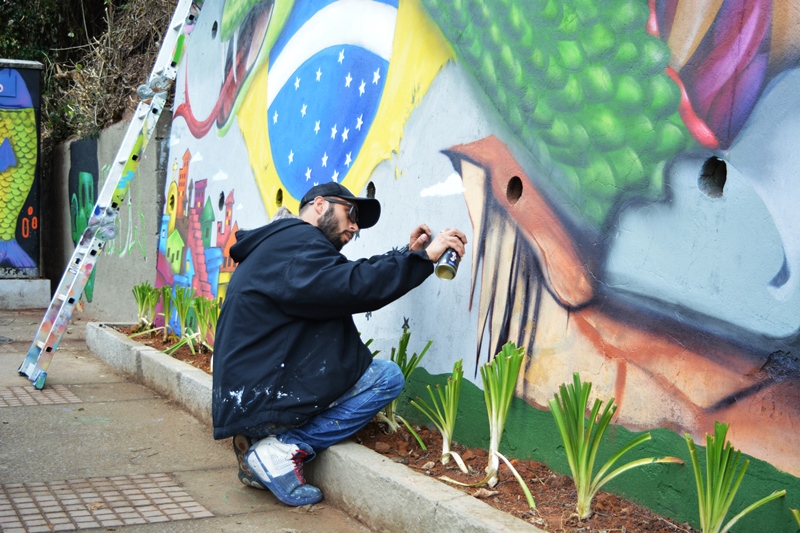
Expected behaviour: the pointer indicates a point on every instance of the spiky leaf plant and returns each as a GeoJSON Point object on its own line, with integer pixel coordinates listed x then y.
{"type": "Point", "coordinates": [582, 438]}
{"type": "Point", "coordinates": [499, 381]}
{"type": "Point", "coordinates": [407, 365]}
{"type": "Point", "coordinates": [442, 412]}
{"type": "Point", "coordinates": [723, 477]}
{"type": "Point", "coordinates": [183, 301]}
{"type": "Point", "coordinates": [145, 294]}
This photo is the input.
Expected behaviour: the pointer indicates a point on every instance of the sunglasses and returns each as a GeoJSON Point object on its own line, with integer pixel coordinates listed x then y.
{"type": "Point", "coordinates": [352, 214]}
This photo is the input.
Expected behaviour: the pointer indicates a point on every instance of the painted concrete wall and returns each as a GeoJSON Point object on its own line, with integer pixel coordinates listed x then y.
{"type": "Point", "coordinates": [128, 260]}
{"type": "Point", "coordinates": [625, 174]}
{"type": "Point", "coordinates": [20, 213]}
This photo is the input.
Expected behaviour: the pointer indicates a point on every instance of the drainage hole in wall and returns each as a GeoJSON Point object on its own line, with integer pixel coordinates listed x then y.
{"type": "Point", "coordinates": [514, 190]}
{"type": "Point", "coordinates": [712, 177]}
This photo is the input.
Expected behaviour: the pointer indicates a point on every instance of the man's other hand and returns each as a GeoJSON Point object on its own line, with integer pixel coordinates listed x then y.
{"type": "Point", "coordinates": [419, 238]}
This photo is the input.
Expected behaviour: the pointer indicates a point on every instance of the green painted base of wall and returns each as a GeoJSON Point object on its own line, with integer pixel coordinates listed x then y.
{"type": "Point", "coordinates": [667, 489]}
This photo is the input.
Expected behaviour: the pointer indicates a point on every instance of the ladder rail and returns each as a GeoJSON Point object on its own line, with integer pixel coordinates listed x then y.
{"type": "Point", "coordinates": [100, 227]}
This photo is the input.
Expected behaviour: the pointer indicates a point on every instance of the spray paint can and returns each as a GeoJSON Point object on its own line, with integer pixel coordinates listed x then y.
{"type": "Point", "coordinates": [447, 265]}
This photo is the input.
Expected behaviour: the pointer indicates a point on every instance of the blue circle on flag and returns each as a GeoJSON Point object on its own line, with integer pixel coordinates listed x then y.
{"type": "Point", "coordinates": [319, 119]}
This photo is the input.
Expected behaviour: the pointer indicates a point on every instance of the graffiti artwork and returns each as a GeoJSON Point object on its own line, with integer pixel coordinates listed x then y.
{"type": "Point", "coordinates": [19, 150]}
{"type": "Point", "coordinates": [627, 173]}
{"type": "Point", "coordinates": [83, 186]}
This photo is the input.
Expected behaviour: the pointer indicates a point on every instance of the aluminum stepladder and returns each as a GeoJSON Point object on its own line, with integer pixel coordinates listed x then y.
{"type": "Point", "coordinates": [101, 226]}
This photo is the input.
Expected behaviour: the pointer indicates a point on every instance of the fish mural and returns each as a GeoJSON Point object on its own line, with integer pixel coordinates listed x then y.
{"type": "Point", "coordinates": [19, 149]}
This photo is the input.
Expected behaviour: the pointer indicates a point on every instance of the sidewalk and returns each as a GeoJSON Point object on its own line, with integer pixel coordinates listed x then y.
{"type": "Point", "coordinates": [93, 449]}
{"type": "Point", "coordinates": [121, 436]}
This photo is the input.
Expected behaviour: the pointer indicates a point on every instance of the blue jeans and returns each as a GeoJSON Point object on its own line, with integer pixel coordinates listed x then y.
{"type": "Point", "coordinates": [382, 382]}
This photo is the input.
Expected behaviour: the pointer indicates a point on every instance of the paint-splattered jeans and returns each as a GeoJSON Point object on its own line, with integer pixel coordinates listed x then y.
{"type": "Point", "coordinates": [381, 383]}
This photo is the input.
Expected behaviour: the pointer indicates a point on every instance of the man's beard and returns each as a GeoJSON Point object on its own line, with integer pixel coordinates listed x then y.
{"type": "Point", "coordinates": [328, 224]}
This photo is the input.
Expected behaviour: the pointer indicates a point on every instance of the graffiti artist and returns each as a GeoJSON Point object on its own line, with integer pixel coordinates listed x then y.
{"type": "Point", "coordinates": [291, 373]}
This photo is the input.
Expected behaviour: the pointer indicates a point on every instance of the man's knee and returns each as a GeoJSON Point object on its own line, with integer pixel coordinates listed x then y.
{"type": "Point", "coordinates": [391, 377]}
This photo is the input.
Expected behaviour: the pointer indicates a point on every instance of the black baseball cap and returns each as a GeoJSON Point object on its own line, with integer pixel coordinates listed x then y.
{"type": "Point", "coordinates": [369, 209]}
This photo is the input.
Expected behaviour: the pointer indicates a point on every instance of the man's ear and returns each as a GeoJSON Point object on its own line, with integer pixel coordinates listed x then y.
{"type": "Point", "coordinates": [319, 205]}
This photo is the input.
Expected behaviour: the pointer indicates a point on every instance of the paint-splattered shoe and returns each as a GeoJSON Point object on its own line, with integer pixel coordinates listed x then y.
{"type": "Point", "coordinates": [279, 467]}
{"type": "Point", "coordinates": [242, 443]}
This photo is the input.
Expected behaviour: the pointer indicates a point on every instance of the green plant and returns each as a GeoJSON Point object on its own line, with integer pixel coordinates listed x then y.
{"type": "Point", "coordinates": [443, 412]}
{"type": "Point", "coordinates": [141, 294]}
{"type": "Point", "coordinates": [146, 300]}
{"type": "Point", "coordinates": [499, 378]}
{"type": "Point", "coordinates": [184, 301]}
{"type": "Point", "coordinates": [716, 493]}
{"type": "Point", "coordinates": [407, 365]}
{"type": "Point", "coordinates": [166, 301]}
{"type": "Point", "coordinates": [207, 312]}
{"type": "Point", "coordinates": [796, 515]}
{"type": "Point", "coordinates": [582, 438]}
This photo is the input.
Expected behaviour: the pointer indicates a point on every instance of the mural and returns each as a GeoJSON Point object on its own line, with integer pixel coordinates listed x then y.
{"type": "Point", "coordinates": [83, 187]}
{"type": "Point", "coordinates": [626, 171]}
{"type": "Point", "coordinates": [19, 150]}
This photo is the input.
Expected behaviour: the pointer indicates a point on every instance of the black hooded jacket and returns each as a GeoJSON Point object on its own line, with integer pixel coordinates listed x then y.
{"type": "Point", "coordinates": [286, 346]}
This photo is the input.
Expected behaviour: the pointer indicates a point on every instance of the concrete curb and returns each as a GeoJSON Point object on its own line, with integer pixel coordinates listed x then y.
{"type": "Point", "coordinates": [384, 495]}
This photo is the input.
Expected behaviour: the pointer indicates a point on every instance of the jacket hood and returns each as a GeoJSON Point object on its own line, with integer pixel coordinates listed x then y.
{"type": "Point", "coordinates": [248, 240]}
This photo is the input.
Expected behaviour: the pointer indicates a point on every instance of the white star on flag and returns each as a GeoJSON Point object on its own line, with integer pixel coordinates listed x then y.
{"type": "Point", "coordinates": [308, 173]}
{"type": "Point", "coordinates": [333, 132]}
{"type": "Point", "coordinates": [325, 159]}
{"type": "Point", "coordinates": [316, 127]}
{"type": "Point", "coordinates": [348, 159]}
{"type": "Point", "coordinates": [347, 80]}
{"type": "Point", "coordinates": [291, 156]}
{"type": "Point", "coordinates": [275, 118]}
{"type": "Point", "coordinates": [319, 74]}
{"type": "Point", "coordinates": [359, 121]}
{"type": "Point", "coordinates": [335, 177]}
{"type": "Point", "coordinates": [376, 76]}
{"type": "Point", "coordinates": [341, 56]}
{"type": "Point", "coordinates": [361, 88]}
{"type": "Point", "coordinates": [296, 83]}
{"type": "Point", "coordinates": [344, 134]}
{"type": "Point", "coordinates": [303, 110]}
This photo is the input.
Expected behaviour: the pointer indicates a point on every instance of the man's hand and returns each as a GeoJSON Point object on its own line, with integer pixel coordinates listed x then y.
{"type": "Point", "coordinates": [449, 238]}
{"type": "Point", "coordinates": [419, 238]}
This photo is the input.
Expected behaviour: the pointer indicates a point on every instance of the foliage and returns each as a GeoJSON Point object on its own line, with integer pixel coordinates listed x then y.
{"type": "Point", "coordinates": [146, 300]}
{"type": "Point", "coordinates": [97, 87]}
{"type": "Point", "coordinates": [183, 301]}
{"type": "Point", "coordinates": [443, 413]}
{"type": "Point", "coordinates": [95, 53]}
{"type": "Point", "coordinates": [582, 440]}
{"type": "Point", "coordinates": [499, 378]}
{"type": "Point", "coordinates": [716, 494]}
{"type": "Point", "coordinates": [499, 381]}
{"type": "Point", "coordinates": [407, 365]}
{"type": "Point", "coordinates": [38, 29]}
{"type": "Point", "coordinates": [167, 307]}
{"type": "Point", "coordinates": [207, 312]}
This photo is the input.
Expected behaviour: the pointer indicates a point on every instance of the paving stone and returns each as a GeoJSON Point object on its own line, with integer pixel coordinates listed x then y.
{"type": "Point", "coordinates": [95, 502]}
